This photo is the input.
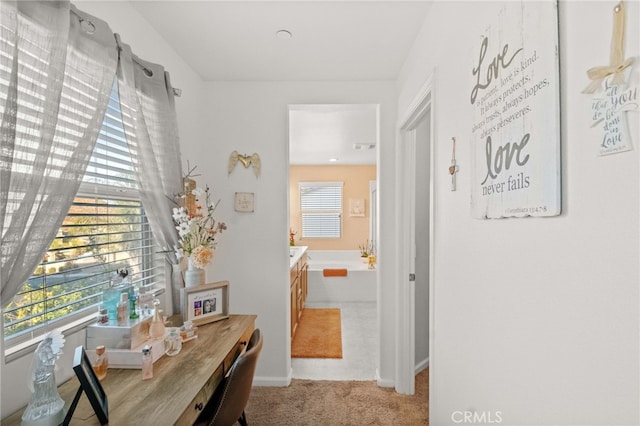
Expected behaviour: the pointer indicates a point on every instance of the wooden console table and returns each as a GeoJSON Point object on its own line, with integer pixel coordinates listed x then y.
{"type": "Point", "coordinates": [181, 384]}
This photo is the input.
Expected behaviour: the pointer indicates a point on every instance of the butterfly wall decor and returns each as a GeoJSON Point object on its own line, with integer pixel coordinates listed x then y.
{"type": "Point", "coordinates": [246, 160]}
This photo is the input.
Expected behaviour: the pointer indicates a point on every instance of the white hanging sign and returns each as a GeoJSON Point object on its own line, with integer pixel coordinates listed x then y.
{"type": "Point", "coordinates": [515, 136]}
{"type": "Point", "coordinates": [609, 106]}
{"type": "Point", "coordinates": [608, 111]}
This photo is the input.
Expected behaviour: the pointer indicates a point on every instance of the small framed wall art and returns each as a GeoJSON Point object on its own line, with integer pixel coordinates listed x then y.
{"type": "Point", "coordinates": [356, 207]}
{"type": "Point", "coordinates": [205, 303]}
{"type": "Point", "coordinates": [244, 202]}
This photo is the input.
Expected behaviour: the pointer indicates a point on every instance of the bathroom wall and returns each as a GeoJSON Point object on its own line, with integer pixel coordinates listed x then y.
{"type": "Point", "coordinates": [355, 229]}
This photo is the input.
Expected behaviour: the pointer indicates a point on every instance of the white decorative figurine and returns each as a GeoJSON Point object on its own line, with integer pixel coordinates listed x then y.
{"type": "Point", "coordinates": [46, 407]}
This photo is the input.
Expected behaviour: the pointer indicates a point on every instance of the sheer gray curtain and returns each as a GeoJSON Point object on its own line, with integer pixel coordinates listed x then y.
{"type": "Point", "coordinates": [54, 90]}
{"type": "Point", "coordinates": [148, 114]}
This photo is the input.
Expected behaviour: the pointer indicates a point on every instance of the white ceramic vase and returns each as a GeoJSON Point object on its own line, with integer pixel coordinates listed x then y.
{"type": "Point", "coordinates": [193, 276]}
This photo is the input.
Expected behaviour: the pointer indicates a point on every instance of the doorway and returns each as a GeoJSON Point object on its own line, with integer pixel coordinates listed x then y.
{"type": "Point", "coordinates": [338, 143]}
{"type": "Point", "coordinates": [416, 245]}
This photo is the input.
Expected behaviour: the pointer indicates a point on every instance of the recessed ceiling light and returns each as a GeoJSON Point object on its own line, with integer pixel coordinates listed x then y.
{"type": "Point", "coordinates": [283, 34]}
{"type": "Point", "coordinates": [333, 160]}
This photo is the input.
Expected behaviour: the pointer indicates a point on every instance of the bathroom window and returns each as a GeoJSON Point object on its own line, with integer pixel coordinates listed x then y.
{"type": "Point", "coordinates": [105, 229]}
{"type": "Point", "coordinates": [321, 209]}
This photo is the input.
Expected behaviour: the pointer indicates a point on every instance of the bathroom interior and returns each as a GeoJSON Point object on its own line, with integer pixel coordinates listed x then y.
{"type": "Point", "coordinates": [336, 143]}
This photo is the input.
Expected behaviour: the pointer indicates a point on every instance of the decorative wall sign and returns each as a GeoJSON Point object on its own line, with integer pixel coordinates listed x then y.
{"type": "Point", "coordinates": [608, 107]}
{"type": "Point", "coordinates": [515, 135]}
{"type": "Point", "coordinates": [244, 202]}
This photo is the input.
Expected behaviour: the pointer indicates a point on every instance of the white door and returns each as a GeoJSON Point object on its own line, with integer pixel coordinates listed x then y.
{"type": "Point", "coordinates": [421, 235]}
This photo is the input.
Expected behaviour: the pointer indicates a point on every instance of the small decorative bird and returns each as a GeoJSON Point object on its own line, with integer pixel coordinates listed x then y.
{"type": "Point", "coordinates": [246, 160]}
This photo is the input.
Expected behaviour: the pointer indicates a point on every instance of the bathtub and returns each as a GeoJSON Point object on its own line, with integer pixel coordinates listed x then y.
{"type": "Point", "coordinates": [358, 286]}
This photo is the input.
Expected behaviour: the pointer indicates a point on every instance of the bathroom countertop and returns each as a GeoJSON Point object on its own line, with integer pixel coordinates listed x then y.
{"type": "Point", "coordinates": [295, 253]}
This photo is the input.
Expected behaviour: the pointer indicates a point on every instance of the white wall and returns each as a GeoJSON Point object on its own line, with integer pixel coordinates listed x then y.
{"type": "Point", "coordinates": [148, 45]}
{"type": "Point", "coordinates": [253, 254]}
{"type": "Point", "coordinates": [535, 318]}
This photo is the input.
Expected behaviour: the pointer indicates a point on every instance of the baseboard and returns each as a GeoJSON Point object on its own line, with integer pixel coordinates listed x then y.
{"type": "Point", "coordinates": [422, 365]}
{"type": "Point", "coordinates": [384, 383]}
{"type": "Point", "coordinates": [272, 381]}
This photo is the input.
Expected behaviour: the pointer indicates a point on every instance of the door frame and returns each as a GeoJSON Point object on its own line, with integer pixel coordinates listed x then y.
{"type": "Point", "coordinates": [421, 105]}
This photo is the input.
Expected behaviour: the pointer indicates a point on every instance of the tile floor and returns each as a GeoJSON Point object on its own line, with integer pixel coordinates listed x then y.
{"type": "Point", "coordinates": [359, 346]}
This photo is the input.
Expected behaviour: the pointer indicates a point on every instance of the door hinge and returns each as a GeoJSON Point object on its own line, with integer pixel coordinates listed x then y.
{"type": "Point", "coordinates": [412, 277]}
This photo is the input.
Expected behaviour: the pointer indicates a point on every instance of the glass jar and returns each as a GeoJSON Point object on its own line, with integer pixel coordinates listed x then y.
{"type": "Point", "coordinates": [103, 317]}
{"type": "Point", "coordinates": [112, 296]}
{"type": "Point", "coordinates": [173, 341]}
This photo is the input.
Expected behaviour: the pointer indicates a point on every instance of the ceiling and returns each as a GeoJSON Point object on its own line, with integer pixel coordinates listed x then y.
{"type": "Point", "coordinates": [330, 41]}
{"type": "Point", "coordinates": [346, 133]}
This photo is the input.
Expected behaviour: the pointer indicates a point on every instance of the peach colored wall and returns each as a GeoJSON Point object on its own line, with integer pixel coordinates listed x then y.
{"type": "Point", "coordinates": [355, 230]}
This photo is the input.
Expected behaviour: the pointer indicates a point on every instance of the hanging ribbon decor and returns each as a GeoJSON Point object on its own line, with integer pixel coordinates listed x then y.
{"type": "Point", "coordinates": [617, 63]}
{"type": "Point", "coordinates": [611, 101]}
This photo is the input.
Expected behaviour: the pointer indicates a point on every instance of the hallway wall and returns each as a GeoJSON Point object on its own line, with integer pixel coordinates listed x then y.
{"type": "Point", "coordinates": [252, 117]}
{"type": "Point", "coordinates": [536, 318]}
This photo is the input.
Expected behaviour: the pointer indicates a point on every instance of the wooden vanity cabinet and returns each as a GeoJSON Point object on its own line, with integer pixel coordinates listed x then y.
{"type": "Point", "coordinates": [298, 291]}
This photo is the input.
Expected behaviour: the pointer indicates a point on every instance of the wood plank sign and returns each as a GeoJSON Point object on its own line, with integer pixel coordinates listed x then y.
{"type": "Point", "coordinates": [515, 96]}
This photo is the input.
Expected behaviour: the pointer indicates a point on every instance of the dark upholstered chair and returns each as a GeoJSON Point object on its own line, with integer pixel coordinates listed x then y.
{"type": "Point", "coordinates": [226, 406]}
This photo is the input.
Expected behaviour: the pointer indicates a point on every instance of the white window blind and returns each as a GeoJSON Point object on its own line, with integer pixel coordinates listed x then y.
{"type": "Point", "coordinates": [321, 209]}
{"type": "Point", "coordinates": [111, 160]}
{"type": "Point", "coordinates": [105, 229]}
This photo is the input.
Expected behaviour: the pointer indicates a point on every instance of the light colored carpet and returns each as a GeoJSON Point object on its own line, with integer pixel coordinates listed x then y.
{"type": "Point", "coordinates": [313, 403]}
{"type": "Point", "coordinates": [319, 334]}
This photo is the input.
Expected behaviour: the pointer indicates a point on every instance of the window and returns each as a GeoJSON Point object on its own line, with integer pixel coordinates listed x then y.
{"type": "Point", "coordinates": [105, 229]}
{"type": "Point", "coordinates": [321, 209]}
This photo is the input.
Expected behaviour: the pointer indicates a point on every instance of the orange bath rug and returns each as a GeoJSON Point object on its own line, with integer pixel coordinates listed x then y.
{"type": "Point", "coordinates": [334, 272]}
{"type": "Point", "coordinates": [318, 335]}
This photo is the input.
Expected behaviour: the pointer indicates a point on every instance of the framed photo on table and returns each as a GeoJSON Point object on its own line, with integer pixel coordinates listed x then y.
{"type": "Point", "coordinates": [90, 385]}
{"type": "Point", "coordinates": [205, 303]}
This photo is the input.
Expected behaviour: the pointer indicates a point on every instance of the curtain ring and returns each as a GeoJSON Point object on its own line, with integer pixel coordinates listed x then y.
{"type": "Point", "coordinates": [88, 26]}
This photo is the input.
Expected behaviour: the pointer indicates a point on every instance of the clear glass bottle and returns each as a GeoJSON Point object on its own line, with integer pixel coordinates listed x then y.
{"type": "Point", "coordinates": [156, 329]}
{"type": "Point", "coordinates": [147, 363]}
{"type": "Point", "coordinates": [133, 312]}
{"type": "Point", "coordinates": [101, 364]}
{"type": "Point", "coordinates": [173, 342]}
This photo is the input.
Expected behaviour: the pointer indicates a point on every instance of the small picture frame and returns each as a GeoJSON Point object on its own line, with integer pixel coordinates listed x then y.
{"type": "Point", "coordinates": [205, 303]}
{"type": "Point", "coordinates": [90, 385]}
{"type": "Point", "coordinates": [244, 202]}
{"type": "Point", "coordinates": [356, 207]}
